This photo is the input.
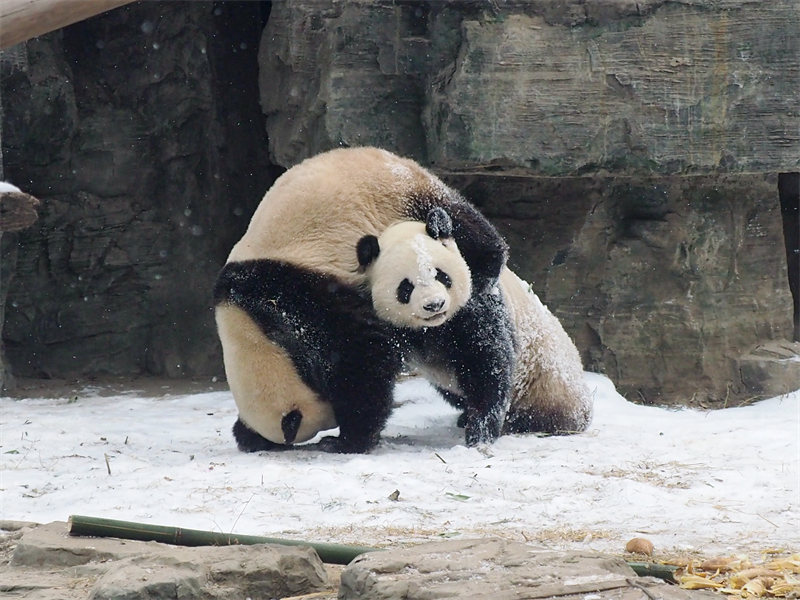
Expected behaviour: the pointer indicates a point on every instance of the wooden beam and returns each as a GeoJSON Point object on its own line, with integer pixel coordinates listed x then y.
{"type": "Point", "coordinates": [21, 20]}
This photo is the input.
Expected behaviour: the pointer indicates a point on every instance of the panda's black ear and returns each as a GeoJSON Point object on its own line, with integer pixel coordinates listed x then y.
{"type": "Point", "coordinates": [438, 224]}
{"type": "Point", "coordinates": [367, 250]}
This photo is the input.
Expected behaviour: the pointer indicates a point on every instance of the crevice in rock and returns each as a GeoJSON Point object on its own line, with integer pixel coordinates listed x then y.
{"type": "Point", "coordinates": [789, 193]}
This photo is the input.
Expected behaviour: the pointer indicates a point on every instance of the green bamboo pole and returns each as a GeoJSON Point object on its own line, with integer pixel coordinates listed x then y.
{"type": "Point", "coordinates": [643, 569]}
{"type": "Point", "coordinates": [336, 554]}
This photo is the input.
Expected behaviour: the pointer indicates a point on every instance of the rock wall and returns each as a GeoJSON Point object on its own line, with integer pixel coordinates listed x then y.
{"type": "Point", "coordinates": [664, 283]}
{"type": "Point", "coordinates": [559, 87]}
{"type": "Point", "coordinates": [665, 271]}
{"type": "Point", "coordinates": [140, 130]}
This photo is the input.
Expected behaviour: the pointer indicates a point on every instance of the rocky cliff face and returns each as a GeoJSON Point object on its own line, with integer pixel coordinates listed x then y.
{"type": "Point", "coordinates": [665, 280]}
{"type": "Point", "coordinates": [627, 150]}
{"type": "Point", "coordinates": [140, 131]}
{"type": "Point", "coordinates": [664, 283]}
{"type": "Point", "coordinates": [560, 87]}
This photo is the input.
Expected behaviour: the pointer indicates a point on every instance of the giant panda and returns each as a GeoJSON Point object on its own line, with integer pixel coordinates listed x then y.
{"type": "Point", "coordinates": [548, 393]}
{"type": "Point", "coordinates": [302, 346]}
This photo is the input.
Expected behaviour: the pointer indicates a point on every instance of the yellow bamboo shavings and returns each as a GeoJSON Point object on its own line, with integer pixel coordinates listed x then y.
{"type": "Point", "coordinates": [737, 576]}
{"type": "Point", "coordinates": [789, 587]}
{"type": "Point", "coordinates": [740, 579]}
{"type": "Point", "coordinates": [790, 564]}
{"type": "Point", "coordinates": [698, 582]}
{"type": "Point", "coordinates": [720, 563]}
{"type": "Point", "coordinates": [758, 587]}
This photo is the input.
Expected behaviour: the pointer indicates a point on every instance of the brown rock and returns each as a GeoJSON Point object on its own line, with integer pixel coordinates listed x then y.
{"type": "Point", "coordinates": [18, 211]}
{"type": "Point", "coordinates": [497, 569]}
{"type": "Point", "coordinates": [55, 565]}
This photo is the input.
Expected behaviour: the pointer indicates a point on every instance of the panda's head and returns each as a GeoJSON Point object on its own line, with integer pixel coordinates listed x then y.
{"type": "Point", "coordinates": [415, 272]}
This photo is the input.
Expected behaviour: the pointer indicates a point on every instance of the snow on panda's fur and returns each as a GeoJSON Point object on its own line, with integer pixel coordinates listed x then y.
{"type": "Point", "coordinates": [303, 348]}
{"type": "Point", "coordinates": [547, 389]}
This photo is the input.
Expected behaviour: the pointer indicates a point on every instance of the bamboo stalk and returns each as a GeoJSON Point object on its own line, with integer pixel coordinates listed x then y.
{"type": "Point", "coordinates": [643, 569]}
{"type": "Point", "coordinates": [336, 554]}
{"type": "Point", "coordinates": [21, 20]}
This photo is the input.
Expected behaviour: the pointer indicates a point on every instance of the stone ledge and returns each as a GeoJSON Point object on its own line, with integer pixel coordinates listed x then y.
{"type": "Point", "coordinates": [47, 563]}
{"type": "Point", "coordinates": [771, 368]}
{"type": "Point", "coordinates": [42, 562]}
{"type": "Point", "coordinates": [498, 569]}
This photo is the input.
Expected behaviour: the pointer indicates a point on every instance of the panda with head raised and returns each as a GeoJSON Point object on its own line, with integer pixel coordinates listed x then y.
{"type": "Point", "coordinates": [548, 393]}
{"type": "Point", "coordinates": [468, 354]}
{"type": "Point", "coordinates": [303, 347]}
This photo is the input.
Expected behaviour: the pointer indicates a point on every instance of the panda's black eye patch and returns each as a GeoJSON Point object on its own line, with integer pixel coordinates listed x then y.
{"type": "Point", "coordinates": [404, 291]}
{"type": "Point", "coordinates": [443, 278]}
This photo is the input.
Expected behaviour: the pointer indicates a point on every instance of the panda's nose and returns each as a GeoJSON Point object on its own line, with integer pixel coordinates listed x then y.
{"type": "Point", "coordinates": [434, 306]}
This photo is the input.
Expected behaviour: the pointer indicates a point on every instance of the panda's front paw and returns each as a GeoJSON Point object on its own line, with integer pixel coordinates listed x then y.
{"type": "Point", "coordinates": [481, 429]}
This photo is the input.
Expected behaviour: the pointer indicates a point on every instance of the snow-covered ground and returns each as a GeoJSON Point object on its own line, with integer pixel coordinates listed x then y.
{"type": "Point", "coordinates": [690, 481]}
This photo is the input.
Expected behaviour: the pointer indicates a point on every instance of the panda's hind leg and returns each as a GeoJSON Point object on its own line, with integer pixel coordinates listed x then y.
{"type": "Point", "coordinates": [249, 441]}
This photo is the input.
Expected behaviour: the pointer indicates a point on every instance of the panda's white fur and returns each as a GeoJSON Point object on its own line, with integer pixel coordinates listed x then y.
{"type": "Point", "coordinates": [305, 229]}
{"type": "Point", "coordinates": [248, 356]}
{"type": "Point", "coordinates": [315, 212]}
{"type": "Point", "coordinates": [548, 393]}
{"type": "Point", "coordinates": [409, 254]}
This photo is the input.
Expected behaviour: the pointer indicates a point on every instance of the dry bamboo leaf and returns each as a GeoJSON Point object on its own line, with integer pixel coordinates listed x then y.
{"type": "Point", "coordinates": [784, 588]}
{"type": "Point", "coordinates": [740, 578]}
{"type": "Point", "coordinates": [697, 582]}
{"type": "Point", "coordinates": [730, 591]}
{"type": "Point", "coordinates": [310, 596]}
{"type": "Point", "coordinates": [790, 564]}
{"type": "Point", "coordinates": [757, 587]}
{"type": "Point", "coordinates": [737, 576]}
{"type": "Point", "coordinates": [720, 563]}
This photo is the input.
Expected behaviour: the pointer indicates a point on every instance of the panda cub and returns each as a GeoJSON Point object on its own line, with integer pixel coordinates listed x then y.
{"type": "Point", "coordinates": [505, 338]}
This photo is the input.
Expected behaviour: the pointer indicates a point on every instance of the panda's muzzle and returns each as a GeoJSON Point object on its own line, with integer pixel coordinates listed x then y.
{"type": "Point", "coordinates": [435, 306]}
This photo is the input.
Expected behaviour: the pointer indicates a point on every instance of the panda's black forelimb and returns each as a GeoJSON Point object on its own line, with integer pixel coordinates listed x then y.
{"type": "Point", "coordinates": [476, 344]}
{"type": "Point", "coordinates": [451, 398]}
{"type": "Point", "coordinates": [330, 331]}
{"type": "Point", "coordinates": [482, 247]}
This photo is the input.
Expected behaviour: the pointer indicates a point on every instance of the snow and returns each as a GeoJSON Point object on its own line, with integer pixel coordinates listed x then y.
{"type": "Point", "coordinates": [6, 188]}
{"type": "Point", "coordinates": [690, 481]}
